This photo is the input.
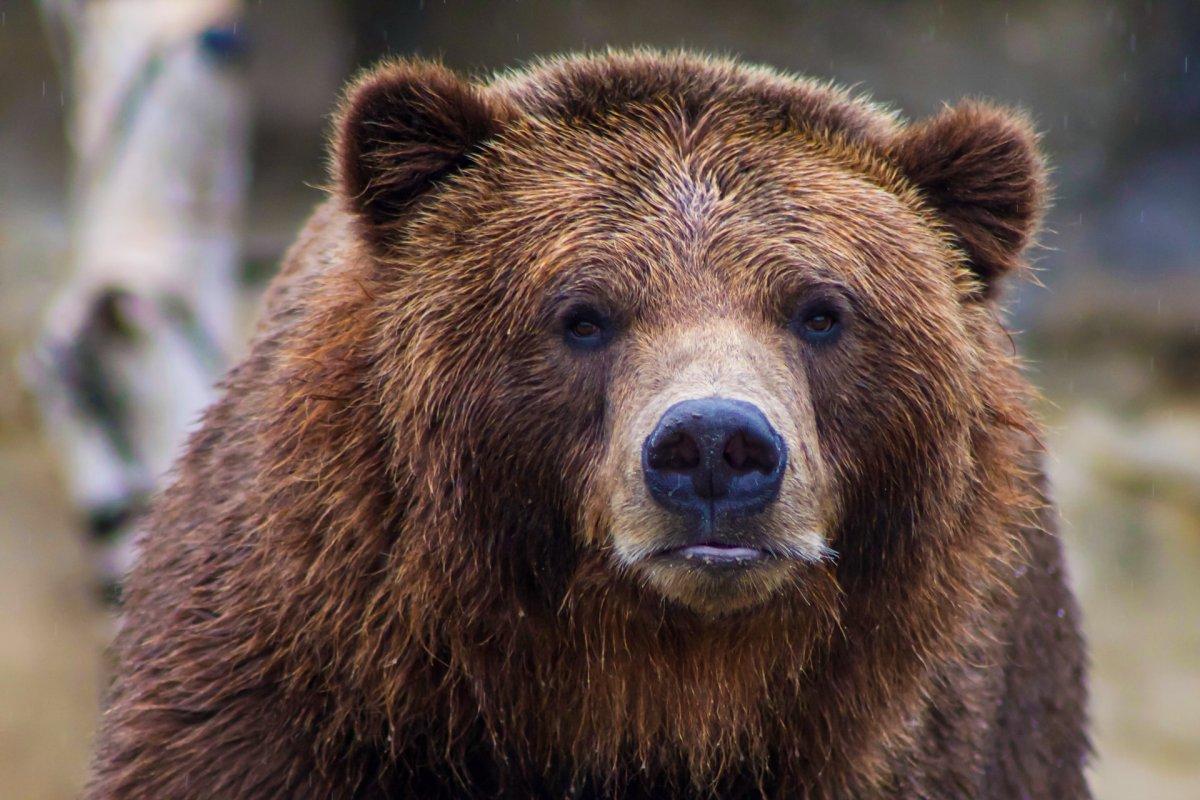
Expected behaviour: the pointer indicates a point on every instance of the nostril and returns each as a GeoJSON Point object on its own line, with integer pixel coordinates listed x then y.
{"type": "Point", "coordinates": [745, 452]}
{"type": "Point", "coordinates": [675, 452]}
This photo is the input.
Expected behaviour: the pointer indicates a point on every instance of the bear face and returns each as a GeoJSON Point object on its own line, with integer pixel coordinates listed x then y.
{"type": "Point", "coordinates": [704, 334]}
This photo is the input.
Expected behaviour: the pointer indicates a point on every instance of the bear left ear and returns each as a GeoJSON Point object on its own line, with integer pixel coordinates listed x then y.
{"type": "Point", "coordinates": [979, 167]}
{"type": "Point", "coordinates": [401, 128]}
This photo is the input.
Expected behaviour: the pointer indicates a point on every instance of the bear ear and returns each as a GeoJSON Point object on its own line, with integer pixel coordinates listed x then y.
{"type": "Point", "coordinates": [979, 167]}
{"type": "Point", "coordinates": [401, 128]}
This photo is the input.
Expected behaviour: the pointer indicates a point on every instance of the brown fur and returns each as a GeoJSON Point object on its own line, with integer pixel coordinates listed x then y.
{"type": "Point", "coordinates": [401, 555]}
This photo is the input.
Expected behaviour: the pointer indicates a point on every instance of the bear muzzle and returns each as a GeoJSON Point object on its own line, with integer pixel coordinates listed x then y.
{"type": "Point", "coordinates": [713, 462]}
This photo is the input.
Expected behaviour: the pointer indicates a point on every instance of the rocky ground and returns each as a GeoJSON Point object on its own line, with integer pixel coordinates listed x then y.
{"type": "Point", "coordinates": [52, 633]}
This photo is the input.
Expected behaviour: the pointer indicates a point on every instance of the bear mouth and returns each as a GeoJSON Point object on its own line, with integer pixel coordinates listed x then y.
{"type": "Point", "coordinates": [716, 553]}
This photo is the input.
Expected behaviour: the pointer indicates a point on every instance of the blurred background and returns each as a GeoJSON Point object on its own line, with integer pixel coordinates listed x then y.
{"type": "Point", "coordinates": [157, 156]}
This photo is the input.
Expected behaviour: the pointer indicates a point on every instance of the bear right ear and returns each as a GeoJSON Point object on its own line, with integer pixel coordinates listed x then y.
{"type": "Point", "coordinates": [401, 127]}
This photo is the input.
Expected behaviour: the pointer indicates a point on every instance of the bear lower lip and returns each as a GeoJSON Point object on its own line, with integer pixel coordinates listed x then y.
{"type": "Point", "coordinates": [717, 554]}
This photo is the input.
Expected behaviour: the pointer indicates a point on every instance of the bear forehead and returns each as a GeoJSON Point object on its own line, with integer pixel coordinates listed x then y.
{"type": "Point", "coordinates": [647, 102]}
{"type": "Point", "coordinates": [621, 117]}
{"type": "Point", "coordinates": [588, 87]}
{"type": "Point", "coordinates": [654, 187]}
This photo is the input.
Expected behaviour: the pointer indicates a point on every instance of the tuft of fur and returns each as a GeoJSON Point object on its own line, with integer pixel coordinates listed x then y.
{"type": "Point", "coordinates": [383, 566]}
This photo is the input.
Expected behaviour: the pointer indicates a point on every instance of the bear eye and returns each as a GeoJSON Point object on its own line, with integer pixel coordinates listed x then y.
{"type": "Point", "coordinates": [586, 328]}
{"type": "Point", "coordinates": [818, 322]}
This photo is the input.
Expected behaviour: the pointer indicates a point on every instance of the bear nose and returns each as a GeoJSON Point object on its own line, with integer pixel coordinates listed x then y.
{"type": "Point", "coordinates": [714, 452]}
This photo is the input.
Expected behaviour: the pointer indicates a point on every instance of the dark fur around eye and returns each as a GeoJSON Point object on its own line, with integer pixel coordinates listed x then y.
{"type": "Point", "coordinates": [586, 328]}
{"type": "Point", "coordinates": [819, 321]}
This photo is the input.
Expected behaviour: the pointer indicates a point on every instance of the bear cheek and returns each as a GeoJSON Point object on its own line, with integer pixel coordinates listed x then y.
{"type": "Point", "coordinates": [892, 422]}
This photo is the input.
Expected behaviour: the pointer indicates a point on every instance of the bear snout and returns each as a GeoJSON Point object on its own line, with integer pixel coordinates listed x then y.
{"type": "Point", "coordinates": [714, 460]}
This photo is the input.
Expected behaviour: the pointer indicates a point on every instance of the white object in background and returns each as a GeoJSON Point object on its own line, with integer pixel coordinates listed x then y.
{"type": "Point", "coordinates": [135, 340]}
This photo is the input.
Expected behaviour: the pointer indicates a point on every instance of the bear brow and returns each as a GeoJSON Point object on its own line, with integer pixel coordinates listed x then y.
{"type": "Point", "coordinates": [598, 281]}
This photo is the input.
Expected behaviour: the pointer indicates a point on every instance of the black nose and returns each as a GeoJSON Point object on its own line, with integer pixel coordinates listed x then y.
{"type": "Point", "coordinates": [716, 454]}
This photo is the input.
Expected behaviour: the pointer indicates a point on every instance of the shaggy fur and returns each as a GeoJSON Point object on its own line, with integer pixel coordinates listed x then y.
{"type": "Point", "coordinates": [400, 556]}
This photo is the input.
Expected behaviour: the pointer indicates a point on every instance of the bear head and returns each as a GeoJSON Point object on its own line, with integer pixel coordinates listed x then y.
{"type": "Point", "coordinates": [700, 323]}
{"type": "Point", "coordinates": [647, 398]}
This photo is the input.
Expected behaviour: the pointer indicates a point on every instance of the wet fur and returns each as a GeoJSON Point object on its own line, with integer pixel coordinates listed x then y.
{"type": "Point", "coordinates": [382, 568]}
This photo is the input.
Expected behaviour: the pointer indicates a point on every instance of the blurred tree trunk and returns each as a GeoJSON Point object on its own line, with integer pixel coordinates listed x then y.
{"type": "Point", "coordinates": [135, 340]}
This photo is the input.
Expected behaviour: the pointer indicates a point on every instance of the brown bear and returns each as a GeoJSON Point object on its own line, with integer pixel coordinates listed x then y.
{"type": "Point", "coordinates": [635, 425]}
